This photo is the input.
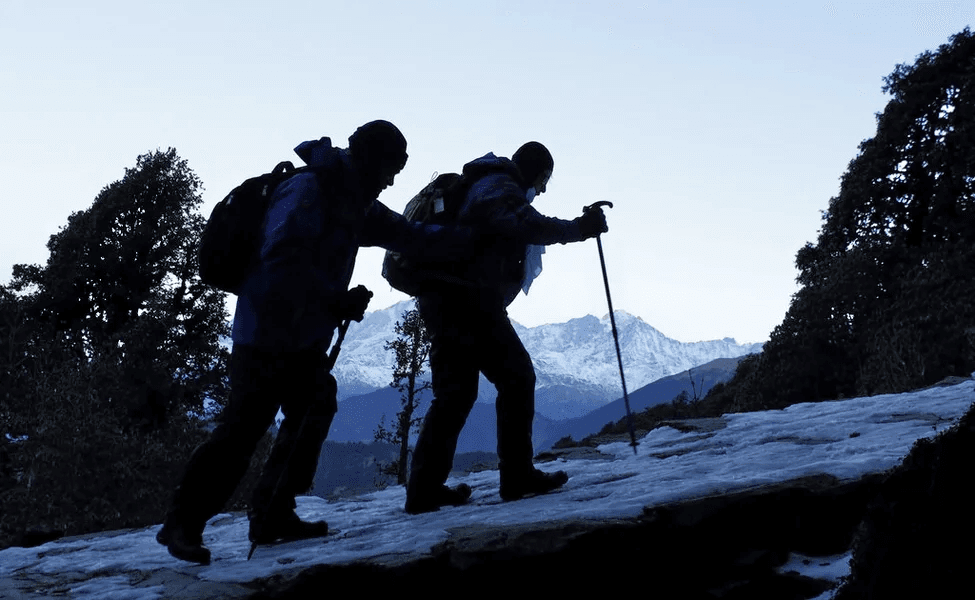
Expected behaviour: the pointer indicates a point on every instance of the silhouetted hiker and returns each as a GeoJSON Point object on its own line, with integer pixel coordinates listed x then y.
{"type": "Point", "coordinates": [287, 310]}
{"type": "Point", "coordinates": [470, 331]}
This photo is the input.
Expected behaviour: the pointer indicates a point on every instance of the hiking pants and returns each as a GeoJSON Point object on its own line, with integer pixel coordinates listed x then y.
{"type": "Point", "coordinates": [471, 335]}
{"type": "Point", "coordinates": [260, 383]}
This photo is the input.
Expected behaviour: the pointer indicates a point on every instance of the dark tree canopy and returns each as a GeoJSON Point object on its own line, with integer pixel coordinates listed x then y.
{"type": "Point", "coordinates": [121, 287]}
{"type": "Point", "coordinates": [885, 298]}
{"type": "Point", "coordinates": [104, 352]}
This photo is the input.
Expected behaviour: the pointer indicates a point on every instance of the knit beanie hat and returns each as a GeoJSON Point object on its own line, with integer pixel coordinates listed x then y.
{"type": "Point", "coordinates": [533, 159]}
{"type": "Point", "coordinates": [379, 142]}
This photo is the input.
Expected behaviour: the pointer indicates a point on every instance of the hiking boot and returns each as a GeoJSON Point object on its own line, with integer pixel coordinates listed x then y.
{"type": "Point", "coordinates": [286, 527]}
{"type": "Point", "coordinates": [445, 496]}
{"type": "Point", "coordinates": [183, 544]}
{"type": "Point", "coordinates": [535, 482]}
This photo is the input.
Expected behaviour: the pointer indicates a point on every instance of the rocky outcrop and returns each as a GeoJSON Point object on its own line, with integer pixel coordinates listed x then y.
{"type": "Point", "coordinates": [910, 530]}
{"type": "Point", "coordinates": [723, 546]}
{"type": "Point", "coordinates": [722, 539]}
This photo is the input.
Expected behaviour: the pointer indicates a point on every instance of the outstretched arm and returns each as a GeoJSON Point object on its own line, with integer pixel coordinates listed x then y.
{"type": "Point", "coordinates": [499, 203]}
{"type": "Point", "coordinates": [392, 231]}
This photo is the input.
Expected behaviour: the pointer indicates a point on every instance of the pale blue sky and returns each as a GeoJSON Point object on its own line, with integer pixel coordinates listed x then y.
{"type": "Point", "coordinates": [719, 129]}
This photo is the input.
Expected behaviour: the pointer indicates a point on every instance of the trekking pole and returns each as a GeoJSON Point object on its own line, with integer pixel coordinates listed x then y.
{"type": "Point", "coordinates": [333, 356]}
{"type": "Point", "coordinates": [612, 320]}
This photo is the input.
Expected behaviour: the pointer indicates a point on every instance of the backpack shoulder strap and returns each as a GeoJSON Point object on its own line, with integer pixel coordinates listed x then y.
{"type": "Point", "coordinates": [283, 167]}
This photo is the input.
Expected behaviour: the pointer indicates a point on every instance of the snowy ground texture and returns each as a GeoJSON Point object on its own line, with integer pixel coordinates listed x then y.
{"type": "Point", "coordinates": [846, 439]}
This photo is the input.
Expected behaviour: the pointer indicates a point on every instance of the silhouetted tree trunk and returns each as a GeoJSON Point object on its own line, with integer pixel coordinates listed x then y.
{"type": "Point", "coordinates": [412, 347]}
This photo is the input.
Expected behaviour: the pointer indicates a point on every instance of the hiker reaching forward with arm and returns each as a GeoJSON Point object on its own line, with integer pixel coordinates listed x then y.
{"type": "Point", "coordinates": [288, 307]}
{"type": "Point", "coordinates": [470, 332]}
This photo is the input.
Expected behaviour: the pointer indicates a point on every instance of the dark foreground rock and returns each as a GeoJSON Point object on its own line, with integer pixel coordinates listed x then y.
{"type": "Point", "coordinates": [915, 540]}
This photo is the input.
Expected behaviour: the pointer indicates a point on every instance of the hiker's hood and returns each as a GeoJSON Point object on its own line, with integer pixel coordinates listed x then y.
{"type": "Point", "coordinates": [488, 160]}
{"type": "Point", "coordinates": [490, 164]}
{"type": "Point", "coordinates": [316, 153]}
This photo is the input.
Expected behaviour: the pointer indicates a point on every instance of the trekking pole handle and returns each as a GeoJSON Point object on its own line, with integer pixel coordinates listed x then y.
{"type": "Point", "coordinates": [597, 205]}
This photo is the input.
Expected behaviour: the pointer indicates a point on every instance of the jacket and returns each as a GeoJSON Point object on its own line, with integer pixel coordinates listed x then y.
{"type": "Point", "coordinates": [314, 227]}
{"type": "Point", "coordinates": [496, 207]}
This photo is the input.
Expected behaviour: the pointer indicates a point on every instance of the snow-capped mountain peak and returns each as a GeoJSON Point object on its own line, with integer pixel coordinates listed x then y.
{"type": "Point", "coordinates": [577, 353]}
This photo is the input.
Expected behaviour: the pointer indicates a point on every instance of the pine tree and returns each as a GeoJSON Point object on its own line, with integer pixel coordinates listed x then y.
{"type": "Point", "coordinates": [412, 347]}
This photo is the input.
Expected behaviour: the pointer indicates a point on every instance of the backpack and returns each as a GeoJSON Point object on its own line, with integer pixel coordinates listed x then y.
{"type": "Point", "coordinates": [230, 244]}
{"type": "Point", "coordinates": [438, 203]}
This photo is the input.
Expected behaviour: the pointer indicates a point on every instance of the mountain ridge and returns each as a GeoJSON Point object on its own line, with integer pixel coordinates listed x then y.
{"type": "Point", "coordinates": [578, 354]}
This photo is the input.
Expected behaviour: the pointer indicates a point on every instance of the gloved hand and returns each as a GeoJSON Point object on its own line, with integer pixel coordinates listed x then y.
{"type": "Point", "coordinates": [352, 304]}
{"type": "Point", "coordinates": [592, 223]}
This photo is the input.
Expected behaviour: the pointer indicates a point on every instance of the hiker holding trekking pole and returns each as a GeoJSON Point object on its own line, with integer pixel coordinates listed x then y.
{"type": "Point", "coordinates": [464, 308]}
{"type": "Point", "coordinates": [307, 228]}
